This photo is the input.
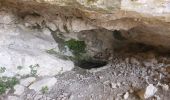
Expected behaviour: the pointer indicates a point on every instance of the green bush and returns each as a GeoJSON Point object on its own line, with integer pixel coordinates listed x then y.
{"type": "Point", "coordinates": [44, 89]}
{"type": "Point", "coordinates": [7, 83]}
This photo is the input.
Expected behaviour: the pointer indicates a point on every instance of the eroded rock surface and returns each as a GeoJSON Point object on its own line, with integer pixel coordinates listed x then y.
{"type": "Point", "coordinates": [24, 51]}
{"type": "Point", "coordinates": [143, 21]}
{"type": "Point", "coordinates": [33, 37]}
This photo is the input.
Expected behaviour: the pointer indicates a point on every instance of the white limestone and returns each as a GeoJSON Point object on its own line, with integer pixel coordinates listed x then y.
{"type": "Point", "coordinates": [13, 98]}
{"type": "Point", "coordinates": [45, 82]}
{"type": "Point", "coordinates": [150, 91]}
{"type": "Point", "coordinates": [19, 89]}
{"type": "Point", "coordinates": [22, 47]}
{"type": "Point", "coordinates": [26, 82]}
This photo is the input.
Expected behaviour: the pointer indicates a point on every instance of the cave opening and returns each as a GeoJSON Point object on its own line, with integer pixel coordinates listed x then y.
{"type": "Point", "coordinates": [89, 64]}
{"type": "Point", "coordinates": [122, 45]}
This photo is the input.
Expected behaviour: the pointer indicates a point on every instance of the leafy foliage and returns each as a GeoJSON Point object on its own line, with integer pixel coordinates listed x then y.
{"type": "Point", "coordinates": [44, 89]}
{"type": "Point", "coordinates": [77, 47]}
{"type": "Point", "coordinates": [34, 69]}
{"type": "Point", "coordinates": [7, 83]}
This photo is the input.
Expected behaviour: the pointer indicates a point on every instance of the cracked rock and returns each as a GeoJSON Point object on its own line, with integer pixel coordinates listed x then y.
{"type": "Point", "coordinates": [19, 89]}
{"type": "Point", "coordinates": [26, 82]}
{"type": "Point", "coordinates": [46, 82]}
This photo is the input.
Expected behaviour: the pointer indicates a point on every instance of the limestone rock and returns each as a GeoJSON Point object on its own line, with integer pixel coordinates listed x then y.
{"type": "Point", "coordinates": [19, 89]}
{"type": "Point", "coordinates": [24, 48]}
{"type": "Point", "coordinates": [148, 92]}
{"type": "Point", "coordinates": [113, 85]}
{"type": "Point", "coordinates": [126, 95]}
{"type": "Point", "coordinates": [13, 98]}
{"type": "Point", "coordinates": [26, 82]}
{"type": "Point", "coordinates": [165, 87]}
{"type": "Point", "coordinates": [7, 18]}
{"type": "Point", "coordinates": [51, 26]}
{"type": "Point", "coordinates": [46, 82]}
{"type": "Point", "coordinates": [47, 32]}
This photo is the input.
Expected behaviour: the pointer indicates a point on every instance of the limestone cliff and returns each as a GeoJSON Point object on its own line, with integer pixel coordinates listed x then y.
{"type": "Point", "coordinates": [140, 21]}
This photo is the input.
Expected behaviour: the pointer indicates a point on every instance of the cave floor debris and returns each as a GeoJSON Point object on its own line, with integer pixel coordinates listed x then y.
{"type": "Point", "coordinates": [141, 76]}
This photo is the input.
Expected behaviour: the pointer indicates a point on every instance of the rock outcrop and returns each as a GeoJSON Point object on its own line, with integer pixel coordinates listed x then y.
{"type": "Point", "coordinates": [42, 39]}
{"type": "Point", "coordinates": [141, 21]}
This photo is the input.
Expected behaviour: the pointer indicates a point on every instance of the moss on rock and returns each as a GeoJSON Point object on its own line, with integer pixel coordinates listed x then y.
{"type": "Point", "coordinates": [77, 47]}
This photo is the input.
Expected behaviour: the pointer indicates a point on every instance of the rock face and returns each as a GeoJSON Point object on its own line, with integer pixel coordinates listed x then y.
{"type": "Point", "coordinates": [26, 82]}
{"type": "Point", "coordinates": [48, 82]}
{"type": "Point", "coordinates": [103, 24]}
{"type": "Point", "coordinates": [24, 51]}
{"type": "Point", "coordinates": [141, 21]}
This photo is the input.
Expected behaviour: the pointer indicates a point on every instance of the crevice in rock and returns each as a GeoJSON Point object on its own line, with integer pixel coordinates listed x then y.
{"type": "Point", "coordinates": [89, 64]}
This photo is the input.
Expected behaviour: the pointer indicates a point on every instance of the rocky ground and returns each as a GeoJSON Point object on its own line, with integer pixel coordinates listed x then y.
{"type": "Point", "coordinates": [131, 77]}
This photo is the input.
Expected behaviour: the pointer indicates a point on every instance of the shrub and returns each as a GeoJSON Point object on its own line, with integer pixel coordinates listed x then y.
{"type": "Point", "coordinates": [7, 83]}
{"type": "Point", "coordinates": [44, 89]}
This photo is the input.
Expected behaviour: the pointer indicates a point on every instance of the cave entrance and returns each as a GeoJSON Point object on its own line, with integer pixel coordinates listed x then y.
{"type": "Point", "coordinates": [89, 64]}
{"type": "Point", "coordinates": [121, 46]}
